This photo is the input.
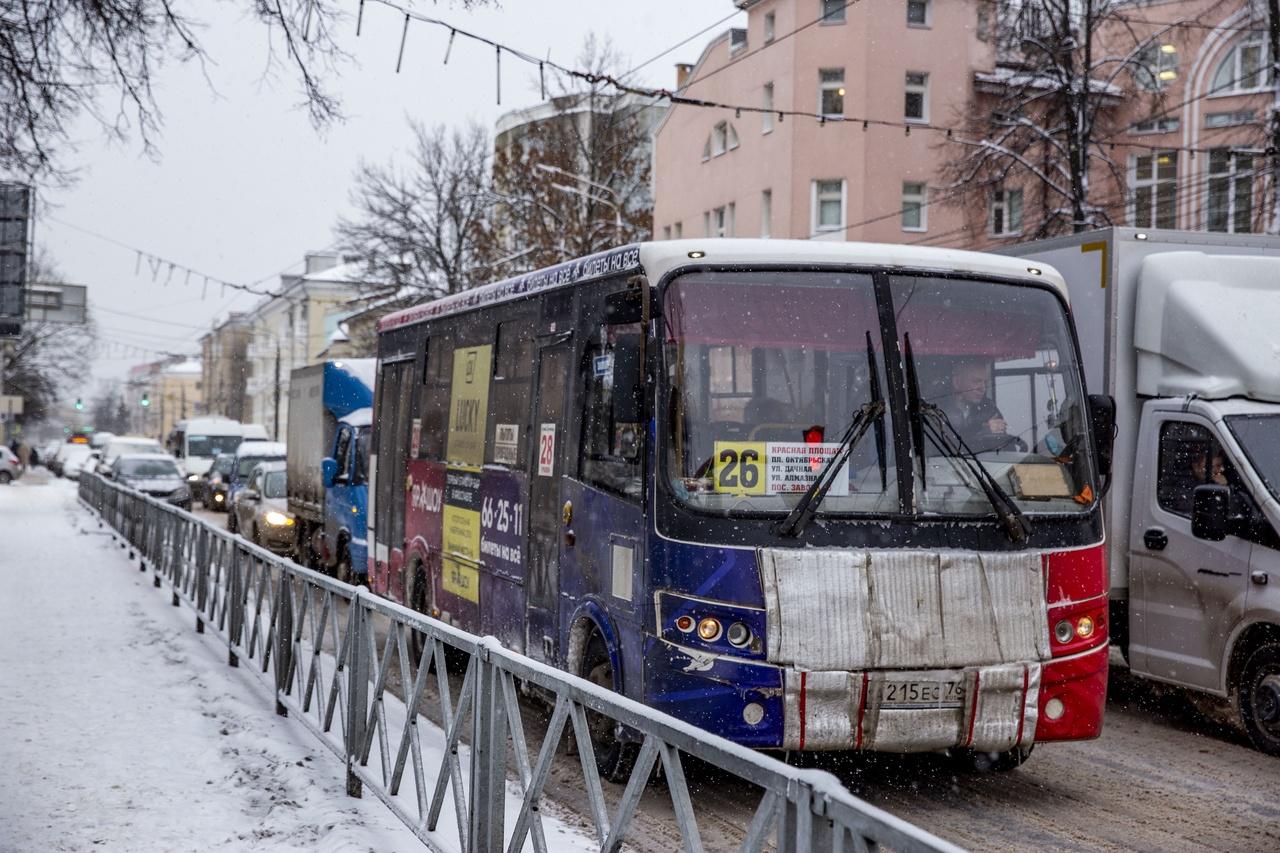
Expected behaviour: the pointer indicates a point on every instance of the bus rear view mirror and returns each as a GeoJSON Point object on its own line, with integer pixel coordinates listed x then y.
{"type": "Point", "coordinates": [1210, 512]}
{"type": "Point", "coordinates": [1102, 414]}
{"type": "Point", "coordinates": [628, 384]}
{"type": "Point", "coordinates": [624, 307]}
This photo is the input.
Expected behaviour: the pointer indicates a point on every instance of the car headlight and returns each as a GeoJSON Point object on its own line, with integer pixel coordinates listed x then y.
{"type": "Point", "coordinates": [191, 478]}
{"type": "Point", "coordinates": [277, 519]}
{"type": "Point", "coordinates": [180, 493]}
{"type": "Point", "coordinates": [218, 498]}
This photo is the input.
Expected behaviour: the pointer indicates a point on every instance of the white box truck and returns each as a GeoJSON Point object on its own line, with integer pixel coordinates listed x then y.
{"type": "Point", "coordinates": [1183, 330]}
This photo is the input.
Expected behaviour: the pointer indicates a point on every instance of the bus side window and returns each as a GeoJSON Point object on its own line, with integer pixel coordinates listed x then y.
{"type": "Point", "coordinates": [612, 408]}
{"type": "Point", "coordinates": [509, 392]}
{"type": "Point", "coordinates": [437, 380]}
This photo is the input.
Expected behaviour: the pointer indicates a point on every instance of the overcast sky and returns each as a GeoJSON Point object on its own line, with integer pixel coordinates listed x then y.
{"type": "Point", "coordinates": [243, 185]}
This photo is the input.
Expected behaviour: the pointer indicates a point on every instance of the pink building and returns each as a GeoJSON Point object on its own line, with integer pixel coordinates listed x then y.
{"type": "Point", "coordinates": [752, 175]}
{"type": "Point", "coordinates": [1204, 85]}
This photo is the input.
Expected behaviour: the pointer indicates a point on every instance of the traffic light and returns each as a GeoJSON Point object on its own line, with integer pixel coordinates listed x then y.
{"type": "Point", "coordinates": [79, 405]}
{"type": "Point", "coordinates": [145, 401]}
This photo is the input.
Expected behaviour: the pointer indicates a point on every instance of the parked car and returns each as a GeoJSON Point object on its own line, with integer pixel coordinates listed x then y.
{"type": "Point", "coordinates": [10, 469]}
{"type": "Point", "coordinates": [127, 444]}
{"type": "Point", "coordinates": [48, 450]}
{"type": "Point", "coordinates": [76, 458]}
{"type": "Point", "coordinates": [261, 510]}
{"type": "Point", "coordinates": [212, 487]}
{"type": "Point", "coordinates": [248, 455]}
{"type": "Point", "coordinates": [155, 474]}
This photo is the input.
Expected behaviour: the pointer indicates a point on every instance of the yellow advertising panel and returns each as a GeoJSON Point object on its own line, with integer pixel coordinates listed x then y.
{"type": "Point", "coordinates": [739, 467]}
{"type": "Point", "coordinates": [461, 534]}
{"type": "Point", "coordinates": [469, 405]}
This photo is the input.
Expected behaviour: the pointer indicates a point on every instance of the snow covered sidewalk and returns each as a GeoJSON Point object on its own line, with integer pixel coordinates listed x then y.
{"type": "Point", "coordinates": [123, 729]}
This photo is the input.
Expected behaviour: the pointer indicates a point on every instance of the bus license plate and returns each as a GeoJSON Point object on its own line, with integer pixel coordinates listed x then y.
{"type": "Point", "coordinates": [922, 694]}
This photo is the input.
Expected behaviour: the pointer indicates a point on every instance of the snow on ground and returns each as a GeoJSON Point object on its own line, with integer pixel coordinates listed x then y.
{"type": "Point", "coordinates": [123, 729]}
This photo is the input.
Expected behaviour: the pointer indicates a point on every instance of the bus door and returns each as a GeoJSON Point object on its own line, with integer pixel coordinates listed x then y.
{"type": "Point", "coordinates": [546, 529]}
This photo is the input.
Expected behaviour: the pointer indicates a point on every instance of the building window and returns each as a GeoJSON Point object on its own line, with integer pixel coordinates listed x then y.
{"type": "Point", "coordinates": [1155, 190]}
{"type": "Point", "coordinates": [723, 138]}
{"type": "Point", "coordinates": [913, 206]}
{"type": "Point", "coordinates": [1230, 207]}
{"type": "Point", "coordinates": [766, 213]}
{"type": "Point", "coordinates": [1230, 119]}
{"type": "Point", "coordinates": [769, 20]}
{"type": "Point", "coordinates": [1245, 68]}
{"type": "Point", "coordinates": [831, 91]}
{"type": "Point", "coordinates": [737, 40]}
{"type": "Point", "coordinates": [706, 223]}
{"type": "Point", "coordinates": [1006, 212]}
{"type": "Point", "coordinates": [679, 231]}
{"type": "Point", "coordinates": [828, 206]}
{"type": "Point", "coordinates": [833, 11]}
{"type": "Point", "coordinates": [767, 102]}
{"type": "Point", "coordinates": [1157, 66]}
{"type": "Point", "coordinates": [722, 221]}
{"type": "Point", "coordinates": [917, 100]}
{"type": "Point", "coordinates": [918, 13]}
{"type": "Point", "coordinates": [1156, 125]}
{"type": "Point", "coordinates": [666, 232]}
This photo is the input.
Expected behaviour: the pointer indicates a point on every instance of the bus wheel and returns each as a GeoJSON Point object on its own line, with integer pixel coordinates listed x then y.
{"type": "Point", "coordinates": [1258, 693]}
{"type": "Point", "coordinates": [417, 639]}
{"type": "Point", "coordinates": [614, 756]}
{"type": "Point", "coordinates": [981, 761]}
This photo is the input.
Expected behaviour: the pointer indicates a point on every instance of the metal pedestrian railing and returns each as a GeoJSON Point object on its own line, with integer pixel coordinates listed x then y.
{"type": "Point", "coordinates": [313, 639]}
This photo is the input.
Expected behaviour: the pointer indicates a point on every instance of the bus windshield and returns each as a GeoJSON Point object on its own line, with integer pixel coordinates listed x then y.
{"type": "Point", "coordinates": [210, 445]}
{"type": "Point", "coordinates": [766, 370]}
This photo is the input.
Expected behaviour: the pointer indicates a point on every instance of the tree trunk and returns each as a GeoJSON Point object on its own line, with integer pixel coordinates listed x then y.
{"type": "Point", "coordinates": [1273, 146]}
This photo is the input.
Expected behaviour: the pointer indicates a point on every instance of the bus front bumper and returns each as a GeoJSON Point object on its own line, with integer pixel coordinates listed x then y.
{"type": "Point", "coordinates": [986, 708]}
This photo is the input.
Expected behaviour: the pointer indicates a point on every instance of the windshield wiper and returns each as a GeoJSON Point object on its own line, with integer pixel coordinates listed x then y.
{"type": "Point", "coordinates": [804, 511]}
{"type": "Point", "coordinates": [929, 418]}
{"type": "Point", "coordinates": [879, 422]}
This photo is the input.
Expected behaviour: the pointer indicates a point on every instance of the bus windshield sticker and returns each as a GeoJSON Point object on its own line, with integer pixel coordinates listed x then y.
{"type": "Point", "coordinates": [462, 534]}
{"type": "Point", "coordinates": [506, 440]}
{"type": "Point", "coordinates": [603, 365]}
{"type": "Point", "coordinates": [547, 450]}
{"type": "Point", "coordinates": [469, 404]}
{"type": "Point", "coordinates": [773, 467]}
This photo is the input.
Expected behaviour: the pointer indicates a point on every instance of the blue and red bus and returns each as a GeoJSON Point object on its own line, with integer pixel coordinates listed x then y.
{"type": "Point", "coordinates": [806, 495]}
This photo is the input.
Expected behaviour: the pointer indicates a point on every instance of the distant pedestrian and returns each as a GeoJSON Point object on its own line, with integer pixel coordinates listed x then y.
{"type": "Point", "coordinates": [24, 454]}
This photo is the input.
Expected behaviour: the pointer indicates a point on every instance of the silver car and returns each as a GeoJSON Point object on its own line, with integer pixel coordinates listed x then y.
{"type": "Point", "coordinates": [261, 509]}
{"type": "Point", "coordinates": [10, 468]}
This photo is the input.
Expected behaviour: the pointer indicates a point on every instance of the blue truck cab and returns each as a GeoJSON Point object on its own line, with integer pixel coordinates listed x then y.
{"type": "Point", "coordinates": [329, 420]}
{"type": "Point", "coordinates": [346, 508]}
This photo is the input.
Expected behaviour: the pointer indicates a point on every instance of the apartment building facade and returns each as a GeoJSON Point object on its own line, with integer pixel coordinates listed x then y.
{"type": "Point", "coordinates": [292, 329]}
{"type": "Point", "coordinates": [162, 393]}
{"type": "Point", "coordinates": [225, 367]}
{"type": "Point", "coordinates": [1185, 112]}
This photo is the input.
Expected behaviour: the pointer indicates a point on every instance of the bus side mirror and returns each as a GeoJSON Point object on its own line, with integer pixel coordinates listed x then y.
{"type": "Point", "coordinates": [1102, 415]}
{"type": "Point", "coordinates": [1210, 512]}
{"type": "Point", "coordinates": [328, 471]}
{"type": "Point", "coordinates": [628, 381]}
{"type": "Point", "coordinates": [624, 307]}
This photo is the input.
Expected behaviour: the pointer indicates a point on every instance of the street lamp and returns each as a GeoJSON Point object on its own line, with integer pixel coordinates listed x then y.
{"type": "Point", "coordinates": [617, 210]}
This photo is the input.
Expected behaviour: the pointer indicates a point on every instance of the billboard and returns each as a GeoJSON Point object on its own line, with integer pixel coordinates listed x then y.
{"type": "Point", "coordinates": [15, 237]}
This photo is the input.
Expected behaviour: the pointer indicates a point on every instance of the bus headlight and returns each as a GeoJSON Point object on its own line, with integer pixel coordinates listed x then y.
{"type": "Point", "coordinates": [709, 629]}
{"type": "Point", "coordinates": [1064, 631]}
{"type": "Point", "coordinates": [738, 635]}
{"type": "Point", "coordinates": [277, 519]}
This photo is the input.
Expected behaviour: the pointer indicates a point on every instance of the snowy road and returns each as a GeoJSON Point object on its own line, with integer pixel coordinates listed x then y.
{"type": "Point", "coordinates": [1160, 778]}
{"type": "Point", "coordinates": [125, 730]}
